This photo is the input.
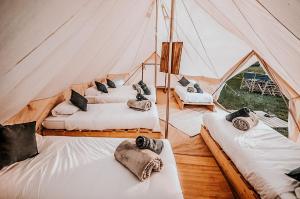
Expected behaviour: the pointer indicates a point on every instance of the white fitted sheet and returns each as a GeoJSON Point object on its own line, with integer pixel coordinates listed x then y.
{"type": "Point", "coordinates": [106, 116]}
{"type": "Point", "coordinates": [193, 97]}
{"type": "Point", "coordinates": [77, 168]}
{"type": "Point", "coordinates": [262, 155]}
{"type": "Point", "coordinates": [116, 95]}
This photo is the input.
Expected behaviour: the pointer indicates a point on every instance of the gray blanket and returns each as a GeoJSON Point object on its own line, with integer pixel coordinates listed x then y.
{"type": "Point", "coordinates": [140, 162]}
{"type": "Point", "coordinates": [143, 105]}
{"type": "Point", "coordinates": [245, 123]}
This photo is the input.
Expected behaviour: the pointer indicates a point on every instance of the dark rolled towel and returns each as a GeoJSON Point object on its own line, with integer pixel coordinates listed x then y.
{"type": "Point", "coordinates": [137, 87]}
{"type": "Point", "coordinates": [197, 87]}
{"type": "Point", "coordinates": [190, 89]}
{"type": "Point", "coordinates": [144, 88]}
{"type": "Point", "coordinates": [243, 112]}
{"type": "Point", "coordinates": [140, 97]}
{"type": "Point", "coordinates": [143, 142]}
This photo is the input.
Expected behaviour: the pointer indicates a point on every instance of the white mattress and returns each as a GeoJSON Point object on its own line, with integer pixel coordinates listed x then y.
{"type": "Point", "coordinates": [116, 95]}
{"type": "Point", "coordinates": [106, 116]}
{"type": "Point", "coordinates": [262, 155]}
{"type": "Point", "coordinates": [188, 97]}
{"type": "Point", "coordinates": [77, 168]}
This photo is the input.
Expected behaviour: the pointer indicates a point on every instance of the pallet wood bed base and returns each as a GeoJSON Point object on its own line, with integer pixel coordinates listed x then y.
{"type": "Point", "coordinates": [119, 133]}
{"type": "Point", "coordinates": [209, 106]}
{"type": "Point", "coordinates": [241, 187]}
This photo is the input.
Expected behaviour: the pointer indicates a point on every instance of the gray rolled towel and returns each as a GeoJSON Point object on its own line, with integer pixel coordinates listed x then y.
{"type": "Point", "coordinates": [140, 162]}
{"type": "Point", "coordinates": [143, 105]}
{"type": "Point", "coordinates": [245, 123]}
{"type": "Point", "coordinates": [137, 87]}
{"type": "Point", "coordinates": [191, 89]}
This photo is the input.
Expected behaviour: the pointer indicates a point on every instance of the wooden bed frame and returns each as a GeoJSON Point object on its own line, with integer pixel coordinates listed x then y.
{"type": "Point", "coordinates": [210, 106]}
{"type": "Point", "coordinates": [241, 187]}
{"type": "Point", "coordinates": [116, 133]}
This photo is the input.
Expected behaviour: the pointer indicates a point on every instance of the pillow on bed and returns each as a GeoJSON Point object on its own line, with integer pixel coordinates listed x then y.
{"type": "Point", "coordinates": [64, 108]}
{"type": "Point", "coordinates": [17, 143]}
{"type": "Point", "coordinates": [79, 101]}
{"type": "Point", "coordinates": [119, 82]}
{"type": "Point", "coordinates": [110, 83]}
{"type": "Point", "coordinates": [101, 87]}
{"type": "Point", "coordinates": [295, 174]}
{"type": "Point", "coordinates": [183, 81]}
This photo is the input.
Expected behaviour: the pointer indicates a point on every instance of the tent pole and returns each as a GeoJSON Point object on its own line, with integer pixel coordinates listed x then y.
{"type": "Point", "coordinates": [155, 58]}
{"type": "Point", "coordinates": [169, 68]}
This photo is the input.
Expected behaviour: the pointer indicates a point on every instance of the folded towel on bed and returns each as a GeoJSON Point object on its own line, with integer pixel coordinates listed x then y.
{"type": "Point", "coordinates": [137, 87]}
{"type": "Point", "coordinates": [191, 89]}
{"type": "Point", "coordinates": [144, 105]}
{"type": "Point", "coordinates": [154, 145]}
{"type": "Point", "coordinates": [140, 162]}
{"type": "Point", "coordinates": [245, 123]}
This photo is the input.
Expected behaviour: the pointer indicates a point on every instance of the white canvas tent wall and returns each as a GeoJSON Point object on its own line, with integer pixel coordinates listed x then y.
{"type": "Point", "coordinates": [45, 46]}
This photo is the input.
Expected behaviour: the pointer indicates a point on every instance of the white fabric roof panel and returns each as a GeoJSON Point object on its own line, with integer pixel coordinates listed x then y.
{"type": "Point", "coordinates": [45, 46]}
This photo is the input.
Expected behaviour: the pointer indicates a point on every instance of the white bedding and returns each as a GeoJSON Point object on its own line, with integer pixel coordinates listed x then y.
{"type": "Point", "coordinates": [193, 97]}
{"type": "Point", "coordinates": [116, 95]}
{"type": "Point", "coordinates": [262, 155]}
{"type": "Point", "coordinates": [77, 168]}
{"type": "Point", "coordinates": [106, 116]}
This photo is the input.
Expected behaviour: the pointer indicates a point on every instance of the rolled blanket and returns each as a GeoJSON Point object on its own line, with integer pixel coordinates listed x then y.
{"type": "Point", "coordinates": [137, 87]}
{"type": "Point", "coordinates": [245, 123]}
{"type": "Point", "coordinates": [140, 162]}
{"type": "Point", "coordinates": [143, 142]}
{"type": "Point", "coordinates": [190, 89]}
{"type": "Point", "coordinates": [143, 105]}
{"type": "Point", "coordinates": [140, 97]}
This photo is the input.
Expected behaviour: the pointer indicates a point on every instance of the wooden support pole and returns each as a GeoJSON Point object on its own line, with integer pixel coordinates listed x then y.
{"type": "Point", "coordinates": [155, 58]}
{"type": "Point", "coordinates": [169, 68]}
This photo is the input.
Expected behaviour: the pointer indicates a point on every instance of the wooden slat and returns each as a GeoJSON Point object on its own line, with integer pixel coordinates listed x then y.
{"type": "Point", "coordinates": [108, 133]}
{"type": "Point", "coordinates": [242, 187]}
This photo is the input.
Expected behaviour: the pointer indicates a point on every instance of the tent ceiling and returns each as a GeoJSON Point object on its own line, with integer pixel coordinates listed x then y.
{"type": "Point", "coordinates": [45, 46]}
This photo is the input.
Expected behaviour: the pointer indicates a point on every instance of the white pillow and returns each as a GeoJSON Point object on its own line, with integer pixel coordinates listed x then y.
{"type": "Point", "coordinates": [119, 82]}
{"type": "Point", "coordinates": [64, 108]}
{"type": "Point", "coordinates": [92, 91]}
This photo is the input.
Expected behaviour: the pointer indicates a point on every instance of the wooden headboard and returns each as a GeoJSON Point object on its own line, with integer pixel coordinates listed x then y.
{"type": "Point", "coordinates": [38, 110]}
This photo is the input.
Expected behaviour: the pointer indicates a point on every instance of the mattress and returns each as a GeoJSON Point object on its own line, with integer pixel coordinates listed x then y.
{"type": "Point", "coordinates": [188, 97]}
{"type": "Point", "coordinates": [116, 95]}
{"type": "Point", "coordinates": [106, 116]}
{"type": "Point", "coordinates": [262, 155]}
{"type": "Point", "coordinates": [74, 167]}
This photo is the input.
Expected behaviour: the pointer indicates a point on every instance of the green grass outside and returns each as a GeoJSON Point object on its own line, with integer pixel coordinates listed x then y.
{"type": "Point", "coordinates": [234, 98]}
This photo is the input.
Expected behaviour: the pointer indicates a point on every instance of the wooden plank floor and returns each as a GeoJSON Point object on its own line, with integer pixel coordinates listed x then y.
{"type": "Point", "coordinates": [199, 174]}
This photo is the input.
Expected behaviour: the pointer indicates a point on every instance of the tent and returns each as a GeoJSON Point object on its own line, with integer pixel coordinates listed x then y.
{"type": "Point", "coordinates": [46, 46]}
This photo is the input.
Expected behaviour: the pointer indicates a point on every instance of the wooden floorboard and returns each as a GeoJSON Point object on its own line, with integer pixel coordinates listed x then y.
{"type": "Point", "coordinates": [199, 174]}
